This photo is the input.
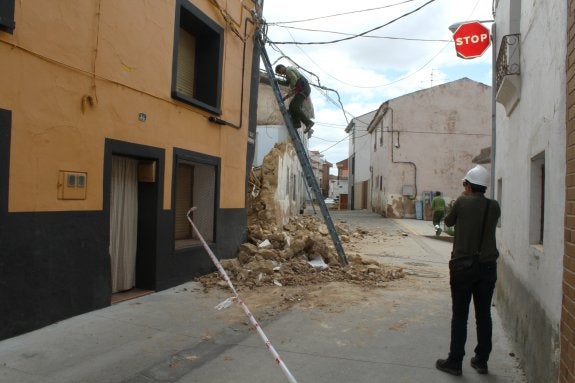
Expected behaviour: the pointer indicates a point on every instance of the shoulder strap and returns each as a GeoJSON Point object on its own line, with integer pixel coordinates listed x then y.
{"type": "Point", "coordinates": [483, 225]}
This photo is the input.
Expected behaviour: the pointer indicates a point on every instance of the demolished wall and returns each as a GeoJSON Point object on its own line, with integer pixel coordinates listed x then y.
{"type": "Point", "coordinates": [291, 249]}
{"type": "Point", "coordinates": [281, 191]}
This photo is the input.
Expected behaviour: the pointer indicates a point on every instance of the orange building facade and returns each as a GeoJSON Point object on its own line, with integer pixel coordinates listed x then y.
{"type": "Point", "coordinates": [116, 117]}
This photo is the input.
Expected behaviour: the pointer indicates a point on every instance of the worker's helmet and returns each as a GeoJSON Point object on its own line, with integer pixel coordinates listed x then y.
{"type": "Point", "coordinates": [477, 176]}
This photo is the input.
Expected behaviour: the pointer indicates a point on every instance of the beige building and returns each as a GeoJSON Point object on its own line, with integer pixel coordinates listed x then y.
{"type": "Point", "coordinates": [420, 143]}
{"type": "Point", "coordinates": [115, 118]}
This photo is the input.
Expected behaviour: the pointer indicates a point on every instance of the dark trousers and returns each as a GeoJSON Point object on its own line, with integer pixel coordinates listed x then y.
{"type": "Point", "coordinates": [296, 111]}
{"type": "Point", "coordinates": [438, 216]}
{"type": "Point", "coordinates": [478, 283]}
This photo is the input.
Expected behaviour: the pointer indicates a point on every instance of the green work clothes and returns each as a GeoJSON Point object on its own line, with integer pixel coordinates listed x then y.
{"type": "Point", "coordinates": [438, 204]}
{"type": "Point", "coordinates": [296, 81]}
{"type": "Point", "coordinates": [467, 216]}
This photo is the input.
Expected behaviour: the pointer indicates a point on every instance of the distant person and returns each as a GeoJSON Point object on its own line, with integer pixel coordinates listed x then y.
{"type": "Point", "coordinates": [300, 90]}
{"type": "Point", "coordinates": [438, 208]}
{"type": "Point", "coordinates": [472, 270]}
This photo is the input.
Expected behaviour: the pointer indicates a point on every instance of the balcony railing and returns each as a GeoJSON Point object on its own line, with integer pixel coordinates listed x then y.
{"type": "Point", "coordinates": [508, 59]}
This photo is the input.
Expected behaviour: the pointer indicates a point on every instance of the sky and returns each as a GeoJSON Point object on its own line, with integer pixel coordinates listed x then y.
{"type": "Point", "coordinates": [414, 51]}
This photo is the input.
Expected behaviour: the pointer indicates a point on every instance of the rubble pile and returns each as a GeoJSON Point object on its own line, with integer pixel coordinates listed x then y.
{"type": "Point", "coordinates": [300, 253]}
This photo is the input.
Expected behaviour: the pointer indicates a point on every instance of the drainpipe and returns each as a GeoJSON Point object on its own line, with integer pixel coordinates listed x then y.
{"type": "Point", "coordinates": [397, 146]}
{"type": "Point", "coordinates": [253, 102]}
{"type": "Point", "coordinates": [493, 105]}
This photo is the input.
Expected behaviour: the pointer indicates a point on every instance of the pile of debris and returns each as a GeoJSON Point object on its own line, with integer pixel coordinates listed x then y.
{"type": "Point", "coordinates": [300, 253]}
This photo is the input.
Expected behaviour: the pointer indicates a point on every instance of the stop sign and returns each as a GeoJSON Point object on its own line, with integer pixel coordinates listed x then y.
{"type": "Point", "coordinates": [471, 40]}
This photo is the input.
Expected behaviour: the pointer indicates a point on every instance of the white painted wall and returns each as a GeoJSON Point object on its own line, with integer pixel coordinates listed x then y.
{"type": "Point", "coordinates": [337, 187]}
{"type": "Point", "coordinates": [536, 125]}
{"type": "Point", "coordinates": [266, 137]}
{"type": "Point", "coordinates": [359, 142]}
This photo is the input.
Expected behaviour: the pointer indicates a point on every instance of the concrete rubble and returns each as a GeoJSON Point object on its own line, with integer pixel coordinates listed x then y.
{"type": "Point", "coordinates": [281, 257]}
{"type": "Point", "coordinates": [285, 255]}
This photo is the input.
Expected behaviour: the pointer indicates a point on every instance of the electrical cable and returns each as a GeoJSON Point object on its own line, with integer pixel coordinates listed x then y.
{"type": "Point", "coordinates": [357, 35]}
{"type": "Point", "coordinates": [338, 14]}
{"type": "Point", "coordinates": [367, 36]}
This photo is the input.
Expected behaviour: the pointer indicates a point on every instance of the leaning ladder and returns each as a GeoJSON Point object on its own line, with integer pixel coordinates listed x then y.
{"type": "Point", "coordinates": [303, 159]}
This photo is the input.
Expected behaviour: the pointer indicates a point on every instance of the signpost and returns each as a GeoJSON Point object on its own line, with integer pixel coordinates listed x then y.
{"type": "Point", "coordinates": [471, 39]}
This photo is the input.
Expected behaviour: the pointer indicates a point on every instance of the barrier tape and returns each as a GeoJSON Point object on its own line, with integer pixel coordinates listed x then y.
{"type": "Point", "coordinates": [236, 298]}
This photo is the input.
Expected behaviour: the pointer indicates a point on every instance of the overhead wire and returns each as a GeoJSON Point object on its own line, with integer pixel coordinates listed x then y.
{"type": "Point", "coordinates": [359, 34]}
{"type": "Point", "coordinates": [337, 103]}
{"type": "Point", "coordinates": [353, 36]}
{"type": "Point", "coordinates": [367, 36]}
{"type": "Point", "coordinates": [360, 86]}
{"type": "Point", "coordinates": [338, 14]}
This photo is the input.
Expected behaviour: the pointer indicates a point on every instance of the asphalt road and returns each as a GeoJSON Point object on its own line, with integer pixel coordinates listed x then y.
{"type": "Point", "coordinates": [392, 334]}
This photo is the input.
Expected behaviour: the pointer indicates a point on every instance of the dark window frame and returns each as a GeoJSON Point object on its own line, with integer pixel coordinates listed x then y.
{"type": "Point", "coordinates": [7, 23]}
{"type": "Point", "coordinates": [210, 46]}
{"type": "Point", "coordinates": [186, 156]}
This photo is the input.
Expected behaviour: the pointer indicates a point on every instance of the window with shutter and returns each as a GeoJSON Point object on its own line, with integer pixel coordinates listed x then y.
{"type": "Point", "coordinates": [7, 23]}
{"type": "Point", "coordinates": [195, 185]}
{"type": "Point", "coordinates": [198, 58]}
{"type": "Point", "coordinates": [184, 185]}
{"type": "Point", "coordinates": [186, 61]}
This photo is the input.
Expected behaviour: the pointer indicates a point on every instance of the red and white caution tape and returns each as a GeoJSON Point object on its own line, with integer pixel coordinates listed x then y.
{"type": "Point", "coordinates": [237, 299]}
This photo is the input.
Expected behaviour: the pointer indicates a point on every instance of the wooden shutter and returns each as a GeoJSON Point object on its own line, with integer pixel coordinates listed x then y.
{"type": "Point", "coordinates": [185, 80]}
{"type": "Point", "coordinates": [183, 229]}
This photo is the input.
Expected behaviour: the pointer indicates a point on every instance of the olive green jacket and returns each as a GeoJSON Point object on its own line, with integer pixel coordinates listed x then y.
{"type": "Point", "coordinates": [438, 203]}
{"type": "Point", "coordinates": [467, 216]}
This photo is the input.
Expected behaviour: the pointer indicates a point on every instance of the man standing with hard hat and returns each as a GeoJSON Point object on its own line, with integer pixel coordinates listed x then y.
{"type": "Point", "coordinates": [472, 270]}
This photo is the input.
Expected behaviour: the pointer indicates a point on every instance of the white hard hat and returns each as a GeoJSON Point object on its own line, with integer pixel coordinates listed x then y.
{"type": "Point", "coordinates": [478, 176]}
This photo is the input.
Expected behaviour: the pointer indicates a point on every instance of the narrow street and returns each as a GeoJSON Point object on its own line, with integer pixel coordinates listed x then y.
{"type": "Point", "coordinates": [335, 332]}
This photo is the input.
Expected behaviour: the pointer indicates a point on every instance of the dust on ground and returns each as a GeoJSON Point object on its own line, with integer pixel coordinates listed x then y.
{"type": "Point", "coordinates": [274, 269]}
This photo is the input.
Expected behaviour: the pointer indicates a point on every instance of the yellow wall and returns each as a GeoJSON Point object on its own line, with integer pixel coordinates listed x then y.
{"type": "Point", "coordinates": [119, 53]}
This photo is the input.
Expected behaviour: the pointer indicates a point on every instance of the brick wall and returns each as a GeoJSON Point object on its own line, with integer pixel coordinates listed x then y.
{"type": "Point", "coordinates": [567, 370]}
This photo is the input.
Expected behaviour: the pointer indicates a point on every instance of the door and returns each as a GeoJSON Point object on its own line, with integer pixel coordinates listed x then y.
{"type": "Point", "coordinates": [123, 222]}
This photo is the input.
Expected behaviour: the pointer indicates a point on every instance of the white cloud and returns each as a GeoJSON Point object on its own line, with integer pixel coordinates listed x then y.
{"type": "Point", "coordinates": [368, 71]}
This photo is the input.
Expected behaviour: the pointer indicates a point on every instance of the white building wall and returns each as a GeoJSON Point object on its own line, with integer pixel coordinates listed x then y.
{"type": "Point", "coordinates": [529, 290]}
{"type": "Point", "coordinates": [359, 171]}
{"type": "Point", "coordinates": [338, 187]}
{"type": "Point", "coordinates": [266, 137]}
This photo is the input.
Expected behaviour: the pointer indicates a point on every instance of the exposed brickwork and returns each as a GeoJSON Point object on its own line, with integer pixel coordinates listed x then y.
{"type": "Point", "coordinates": [567, 369]}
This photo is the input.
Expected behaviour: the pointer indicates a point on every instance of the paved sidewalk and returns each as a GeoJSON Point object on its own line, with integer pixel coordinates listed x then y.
{"type": "Point", "coordinates": [394, 335]}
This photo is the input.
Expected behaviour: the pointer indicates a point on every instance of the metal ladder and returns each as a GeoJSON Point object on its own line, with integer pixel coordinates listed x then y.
{"type": "Point", "coordinates": [303, 158]}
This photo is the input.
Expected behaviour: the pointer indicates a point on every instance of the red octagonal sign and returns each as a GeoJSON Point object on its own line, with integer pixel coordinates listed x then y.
{"type": "Point", "coordinates": [471, 40]}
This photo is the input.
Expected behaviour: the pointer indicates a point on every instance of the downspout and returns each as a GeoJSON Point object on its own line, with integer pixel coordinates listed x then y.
{"type": "Point", "coordinates": [253, 106]}
{"type": "Point", "coordinates": [220, 121]}
{"type": "Point", "coordinates": [393, 146]}
{"type": "Point", "coordinates": [493, 105]}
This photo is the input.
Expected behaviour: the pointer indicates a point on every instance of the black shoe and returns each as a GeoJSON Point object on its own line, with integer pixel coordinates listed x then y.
{"type": "Point", "coordinates": [448, 366]}
{"type": "Point", "coordinates": [480, 367]}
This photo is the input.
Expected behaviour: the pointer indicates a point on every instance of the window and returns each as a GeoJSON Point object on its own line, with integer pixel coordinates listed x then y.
{"type": "Point", "coordinates": [198, 58]}
{"type": "Point", "coordinates": [537, 216]}
{"type": "Point", "coordinates": [7, 16]}
{"type": "Point", "coordinates": [194, 186]}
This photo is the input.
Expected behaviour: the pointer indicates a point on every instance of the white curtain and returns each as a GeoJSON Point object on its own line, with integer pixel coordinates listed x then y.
{"type": "Point", "coordinates": [123, 222]}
